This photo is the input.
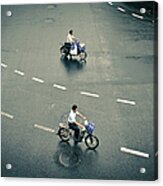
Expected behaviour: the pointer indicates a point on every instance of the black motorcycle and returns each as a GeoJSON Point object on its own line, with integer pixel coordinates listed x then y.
{"type": "Point", "coordinates": [67, 51]}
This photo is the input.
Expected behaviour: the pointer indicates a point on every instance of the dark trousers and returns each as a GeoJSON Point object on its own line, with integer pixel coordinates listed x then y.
{"type": "Point", "coordinates": [76, 129]}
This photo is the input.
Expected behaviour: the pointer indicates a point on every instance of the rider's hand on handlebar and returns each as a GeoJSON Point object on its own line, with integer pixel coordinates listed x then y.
{"type": "Point", "coordinates": [83, 128]}
{"type": "Point", "coordinates": [85, 122]}
{"type": "Point", "coordinates": [84, 118]}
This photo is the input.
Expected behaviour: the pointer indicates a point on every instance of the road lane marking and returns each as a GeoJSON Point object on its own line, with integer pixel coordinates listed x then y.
{"type": "Point", "coordinates": [3, 65]}
{"type": "Point", "coordinates": [90, 94]}
{"type": "Point", "coordinates": [126, 101]}
{"type": "Point", "coordinates": [110, 3]}
{"type": "Point", "coordinates": [19, 72]}
{"type": "Point", "coordinates": [44, 128]}
{"type": "Point", "coordinates": [121, 9]}
{"type": "Point", "coordinates": [137, 16]}
{"type": "Point", "coordinates": [59, 87]}
{"type": "Point", "coordinates": [134, 152]}
{"type": "Point", "coordinates": [7, 115]}
{"type": "Point", "coordinates": [37, 80]}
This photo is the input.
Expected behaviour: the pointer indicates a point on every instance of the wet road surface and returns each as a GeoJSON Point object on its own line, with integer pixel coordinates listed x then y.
{"type": "Point", "coordinates": [119, 70]}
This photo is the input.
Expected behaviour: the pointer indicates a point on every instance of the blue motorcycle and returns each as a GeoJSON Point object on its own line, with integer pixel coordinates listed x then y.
{"type": "Point", "coordinates": [77, 49]}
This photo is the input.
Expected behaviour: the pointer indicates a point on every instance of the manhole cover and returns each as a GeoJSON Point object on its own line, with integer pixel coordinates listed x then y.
{"type": "Point", "coordinates": [49, 20]}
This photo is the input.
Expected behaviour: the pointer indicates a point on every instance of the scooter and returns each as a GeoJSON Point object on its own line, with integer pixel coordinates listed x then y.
{"type": "Point", "coordinates": [77, 49]}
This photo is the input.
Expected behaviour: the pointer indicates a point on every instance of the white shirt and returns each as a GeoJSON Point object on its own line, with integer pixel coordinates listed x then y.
{"type": "Point", "coordinates": [72, 116]}
{"type": "Point", "coordinates": [70, 38]}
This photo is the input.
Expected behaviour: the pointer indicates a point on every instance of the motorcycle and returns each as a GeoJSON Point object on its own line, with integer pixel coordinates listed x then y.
{"type": "Point", "coordinates": [91, 141]}
{"type": "Point", "coordinates": [69, 50]}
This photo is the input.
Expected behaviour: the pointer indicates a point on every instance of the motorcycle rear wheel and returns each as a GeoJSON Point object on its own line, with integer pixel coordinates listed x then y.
{"type": "Point", "coordinates": [92, 142]}
{"type": "Point", "coordinates": [64, 51]}
{"type": "Point", "coordinates": [64, 134]}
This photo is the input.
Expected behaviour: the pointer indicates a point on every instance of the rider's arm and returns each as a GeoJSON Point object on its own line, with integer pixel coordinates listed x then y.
{"type": "Point", "coordinates": [81, 115]}
{"type": "Point", "coordinates": [73, 38]}
{"type": "Point", "coordinates": [80, 125]}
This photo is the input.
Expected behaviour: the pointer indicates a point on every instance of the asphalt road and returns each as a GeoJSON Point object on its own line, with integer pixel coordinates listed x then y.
{"type": "Point", "coordinates": [119, 67]}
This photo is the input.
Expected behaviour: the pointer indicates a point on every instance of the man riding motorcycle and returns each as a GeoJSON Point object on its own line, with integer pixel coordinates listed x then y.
{"type": "Point", "coordinates": [73, 47]}
{"type": "Point", "coordinates": [73, 124]}
{"type": "Point", "coordinates": [73, 42]}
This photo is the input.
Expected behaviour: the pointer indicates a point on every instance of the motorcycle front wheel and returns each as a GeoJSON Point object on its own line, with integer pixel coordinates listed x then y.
{"type": "Point", "coordinates": [92, 142]}
{"type": "Point", "coordinates": [83, 56]}
{"type": "Point", "coordinates": [64, 134]}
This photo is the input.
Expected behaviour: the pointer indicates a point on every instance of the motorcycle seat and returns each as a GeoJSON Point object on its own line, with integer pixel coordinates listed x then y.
{"type": "Point", "coordinates": [62, 125]}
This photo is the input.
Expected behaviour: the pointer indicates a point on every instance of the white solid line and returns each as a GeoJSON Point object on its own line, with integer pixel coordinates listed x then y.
{"type": "Point", "coordinates": [37, 79]}
{"type": "Point", "coordinates": [110, 3]}
{"type": "Point", "coordinates": [137, 16]}
{"type": "Point", "coordinates": [3, 65]}
{"type": "Point", "coordinates": [126, 101]}
{"type": "Point", "coordinates": [19, 72]}
{"type": "Point", "coordinates": [59, 87]}
{"type": "Point", "coordinates": [121, 9]}
{"type": "Point", "coordinates": [134, 152]}
{"type": "Point", "coordinates": [90, 94]}
{"type": "Point", "coordinates": [47, 129]}
{"type": "Point", "coordinates": [7, 115]}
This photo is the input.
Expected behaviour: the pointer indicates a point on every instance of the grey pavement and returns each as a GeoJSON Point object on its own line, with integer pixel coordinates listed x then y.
{"type": "Point", "coordinates": [120, 65]}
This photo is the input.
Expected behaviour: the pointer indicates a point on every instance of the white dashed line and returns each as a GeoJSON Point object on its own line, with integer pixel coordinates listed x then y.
{"type": "Point", "coordinates": [59, 87]}
{"type": "Point", "coordinates": [137, 16]}
{"type": "Point", "coordinates": [121, 9]}
{"type": "Point", "coordinates": [37, 80]}
{"type": "Point", "coordinates": [126, 101]}
{"type": "Point", "coordinates": [19, 72]}
{"type": "Point", "coordinates": [47, 129]}
{"type": "Point", "coordinates": [110, 3]}
{"type": "Point", "coordinates": [3, 65]}
{"type": "Point", "coordinates": [7, 115]}
{"type": "Point", "coordinates": [90, 94]}
{"type": "Point", "coordinates": [134, 152]}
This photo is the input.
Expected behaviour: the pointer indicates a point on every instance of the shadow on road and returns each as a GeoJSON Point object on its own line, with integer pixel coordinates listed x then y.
{"type": "Point", "coordinates": [71, 156]}
{"type": "Point", "coordinates": [72, 65]}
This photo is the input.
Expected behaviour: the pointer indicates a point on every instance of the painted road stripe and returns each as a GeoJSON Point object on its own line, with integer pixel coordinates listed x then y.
{"type": "Point", "coordinates": [19, 72]}
{"type": "Point", "coordinates": [121, 9]}
{"type": "Point", "coordinates": [110, 3]}
{"type": "Point", "coordinates": [134, 152]}
{"type": "Point", "coordinates": [126, 101]}
{"type": "Point", "coordinates": [90, 94]}
{"type": "Point", "coordinates": [59, 87]}
{"type": "Point", "coordinates": [7, 115]}
{"type": "Point", "coordinates": [3, 65]}
{"type": "Point", "coordinates": [47, 129]}
{"type": "Point", "coordinates": [37, 80]}
{"type": "Point", "coordinates": [137, 16]}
